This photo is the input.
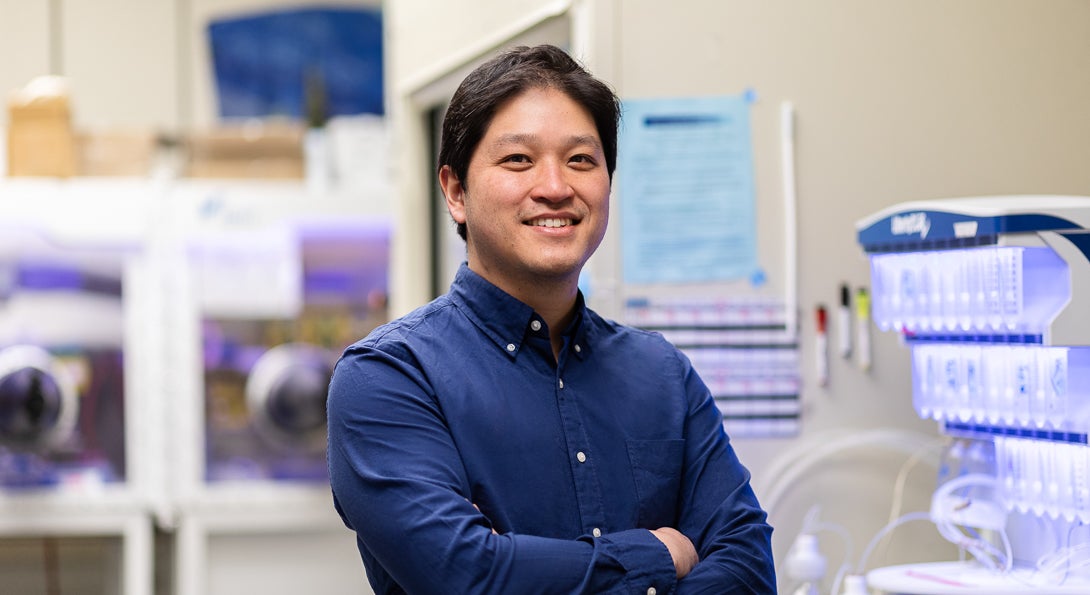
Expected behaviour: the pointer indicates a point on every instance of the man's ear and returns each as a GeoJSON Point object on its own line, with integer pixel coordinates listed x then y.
{"type": "Point", "coordinates": [455, 193]}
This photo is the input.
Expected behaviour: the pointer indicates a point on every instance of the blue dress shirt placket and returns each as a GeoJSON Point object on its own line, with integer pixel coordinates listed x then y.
{"type": "Point", "coordinates": [584, 464]}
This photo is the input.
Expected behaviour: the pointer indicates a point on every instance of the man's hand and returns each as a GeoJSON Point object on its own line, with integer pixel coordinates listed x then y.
{"type": "Point", "coordinates": [681, 549]}
{"type": "Point", "coordinates": [489, 522]}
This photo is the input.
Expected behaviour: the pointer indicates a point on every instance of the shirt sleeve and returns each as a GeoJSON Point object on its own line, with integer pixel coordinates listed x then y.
{"type": "Point", "coordinates": [399, 483]}
{"type": "Point", "coordinates": [718, 509]}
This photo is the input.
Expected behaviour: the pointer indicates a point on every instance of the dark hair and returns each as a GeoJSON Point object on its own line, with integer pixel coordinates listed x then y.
{"type": "Point", "coordinates": [520, 69]}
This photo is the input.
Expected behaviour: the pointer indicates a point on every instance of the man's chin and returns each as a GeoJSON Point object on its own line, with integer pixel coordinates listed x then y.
{"type": "Point", "coordinates": [556, 269]}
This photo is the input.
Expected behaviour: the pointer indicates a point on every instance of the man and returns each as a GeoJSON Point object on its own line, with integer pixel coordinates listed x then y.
{"type": "Point", "coordinates": [506, 439]}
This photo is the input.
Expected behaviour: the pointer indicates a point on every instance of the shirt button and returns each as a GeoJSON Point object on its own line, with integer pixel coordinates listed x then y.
{"type": "Point", "coordinates": [561, 383]}
{"type": "Point", "coordinates": [581, 457]}
{"type": "Point", "coordinates": [596, 532]}
{"type": "Point", "coordinates": [651, 591]}
{"type": "Point", "coordinates": [578, 349]}
{"type": "Point", "coordinates": [510, 347]}
{"type": "Point", "coordinates": [536, 325]}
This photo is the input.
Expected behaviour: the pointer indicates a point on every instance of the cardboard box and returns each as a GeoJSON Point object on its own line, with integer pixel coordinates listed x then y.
{"type": "Point", "coordinates": [242, 151]}
{"type": "Point", "coordinates": [40, 138]}
{"type": "Point", "coordinates": [115, 152]}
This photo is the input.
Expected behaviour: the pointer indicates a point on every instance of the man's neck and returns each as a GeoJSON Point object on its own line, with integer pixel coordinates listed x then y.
{"type": "Point", "coordinates": [558, 312]}
{"type": "Point", "coordinates": [553, 299]}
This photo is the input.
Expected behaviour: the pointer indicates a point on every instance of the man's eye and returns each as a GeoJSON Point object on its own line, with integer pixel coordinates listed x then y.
{"type": "Point", "coordinates": [516, 159]}
{"type": "Point", "coordinates": [587, 159]}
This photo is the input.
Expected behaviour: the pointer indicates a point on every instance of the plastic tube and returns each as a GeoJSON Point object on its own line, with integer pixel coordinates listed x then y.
{"type": "Point", "coordinates": [912, 516]}
{"type": "Point", "coordinates": [794, 463]}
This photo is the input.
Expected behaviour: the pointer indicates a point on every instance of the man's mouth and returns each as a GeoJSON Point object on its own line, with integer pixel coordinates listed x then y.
{"type": "Point", "coordinates": [551, 222]}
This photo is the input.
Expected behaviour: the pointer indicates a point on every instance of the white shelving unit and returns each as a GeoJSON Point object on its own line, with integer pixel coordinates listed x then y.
{"type": "Point", "coordinates": [88, 515]}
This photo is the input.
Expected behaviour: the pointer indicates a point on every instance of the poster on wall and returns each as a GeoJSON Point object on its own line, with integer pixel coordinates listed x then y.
{"type": "Point", "coordinates": [685, 176]}
{"type": "Point", "coordinates": [742, 350]}
{"type": "Point", "coordinates": [308, 63]}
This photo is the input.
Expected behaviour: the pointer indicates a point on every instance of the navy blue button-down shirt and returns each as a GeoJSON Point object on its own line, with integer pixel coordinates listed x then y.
{"type": "Point", "coordinates": [468, 459]}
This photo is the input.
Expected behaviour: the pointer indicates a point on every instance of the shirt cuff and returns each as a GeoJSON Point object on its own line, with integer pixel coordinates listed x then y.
{"type": "Point", "coordinates": [649, 569]}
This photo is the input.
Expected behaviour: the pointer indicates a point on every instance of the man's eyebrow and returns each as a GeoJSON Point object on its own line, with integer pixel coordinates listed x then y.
{"type": "Point", "coordinates": [586, 139]}
{"type": "Point", "coordinates": [517, 138]}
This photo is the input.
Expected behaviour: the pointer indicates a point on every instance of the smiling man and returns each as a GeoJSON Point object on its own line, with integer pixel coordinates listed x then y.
{"type": "Point", "coordinates": [506, 439]}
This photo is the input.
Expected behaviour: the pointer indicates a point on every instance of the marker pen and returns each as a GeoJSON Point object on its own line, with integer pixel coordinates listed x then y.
{"type": "Point", "coordinates": [862, 325]}
{"type": "Point", "coordinates": [821, 347]}
{"type": "Point", "coordinates": [844, 322]}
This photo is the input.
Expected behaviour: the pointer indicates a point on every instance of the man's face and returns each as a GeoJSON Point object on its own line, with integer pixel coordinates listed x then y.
{"type": "Point", "coordinates": [537, 202]}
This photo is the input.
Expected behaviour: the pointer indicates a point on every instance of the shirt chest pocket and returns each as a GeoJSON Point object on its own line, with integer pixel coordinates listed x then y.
{"type": "Point", "coordinates": [656, 471]}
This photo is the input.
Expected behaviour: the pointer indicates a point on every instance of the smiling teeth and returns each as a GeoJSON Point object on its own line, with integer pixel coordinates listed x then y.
{"type": "Point", "coordinates": [552, 222]}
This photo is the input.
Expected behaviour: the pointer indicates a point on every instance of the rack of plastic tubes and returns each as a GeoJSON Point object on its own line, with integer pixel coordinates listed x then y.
{"type": "Point", "coordinates": [989, 294]}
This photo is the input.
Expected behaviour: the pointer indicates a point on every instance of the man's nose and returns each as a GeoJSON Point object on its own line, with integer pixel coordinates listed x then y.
{"type": "Point", "coordinates": [552, 181]}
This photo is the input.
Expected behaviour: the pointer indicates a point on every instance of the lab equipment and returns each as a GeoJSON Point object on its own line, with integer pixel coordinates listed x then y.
{"type": "Point", "coordinates": [80, 424]}
{"type": "Point", "coordinates": [286, 394]}
{"type": "Point", "coordinates": [983, 290]}
{"type": "Point", "coordinates": [36, 402]}
{"type": "Point", "coordinates": [62, 377]}
{"type": "Point", "coordinates": [269, 350]}
{"type": "Point", "coordinates": [806, 564]}
{"type": "Point", "coordinates": [269, 283]}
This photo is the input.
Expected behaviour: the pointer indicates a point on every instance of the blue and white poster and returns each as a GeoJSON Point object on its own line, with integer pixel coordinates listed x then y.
{"type": "Point", "coordinates": [685, 174]}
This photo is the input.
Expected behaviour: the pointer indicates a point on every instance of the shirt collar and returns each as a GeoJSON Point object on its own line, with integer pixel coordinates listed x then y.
{"type": "Point", "coordinates": [504, 319]}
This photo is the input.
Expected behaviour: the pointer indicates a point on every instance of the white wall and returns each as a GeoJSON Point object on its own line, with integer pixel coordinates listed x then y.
{"type": "Point", "coordinates": [120, 57]}
{"type": "Point", "coordinates": [130, 81]}
{"type": "Point", "coordinates": [895, 101]}
{"type": "Point", "coordinates": [24, 30]}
